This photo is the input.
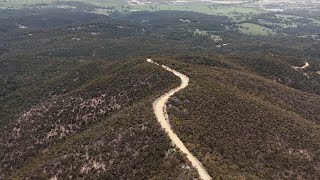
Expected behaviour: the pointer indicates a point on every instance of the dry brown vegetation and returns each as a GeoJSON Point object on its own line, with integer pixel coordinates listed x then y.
{"type": "Point", "coordinates": [101, 127]}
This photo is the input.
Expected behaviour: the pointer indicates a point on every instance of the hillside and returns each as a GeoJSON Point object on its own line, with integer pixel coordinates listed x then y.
{"type": "Point", "coordinates": [243, 125]}
{"type": "Point", "coordinates": [93, 123]}
{"type": "Point", "coordinates": [77, 94]}
{"type": "Point", "coordinates": [229, 115]}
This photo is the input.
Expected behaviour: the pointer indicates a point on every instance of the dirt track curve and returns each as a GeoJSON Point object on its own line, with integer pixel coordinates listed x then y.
{"type": "Point", "coordinates": [159, 107]}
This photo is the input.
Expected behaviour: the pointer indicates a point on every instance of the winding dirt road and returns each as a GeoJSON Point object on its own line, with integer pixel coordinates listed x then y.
{"type": "Point", "coordinates": [302, 67]}
{"type": "Point", "coordinates": [159, 107]}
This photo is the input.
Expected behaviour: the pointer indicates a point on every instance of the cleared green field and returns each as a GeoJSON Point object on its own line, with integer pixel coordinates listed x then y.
{"type": "Point", "coordinates": [18, 4]}
{"type": "Point", "coordinates": [107, 6]}
{"type": "Point", "coordinates": [255, 30]}
{"type": "Point", "coordinates": [236, 13]}
{"type": "Point", "coordinates": [103, 3]}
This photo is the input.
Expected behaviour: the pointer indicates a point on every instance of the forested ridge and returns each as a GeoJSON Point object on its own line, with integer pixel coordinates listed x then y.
{"type": "Point", "coordinates": [245, 125]}
{"type": "Point", "coordinates": [76, 96]}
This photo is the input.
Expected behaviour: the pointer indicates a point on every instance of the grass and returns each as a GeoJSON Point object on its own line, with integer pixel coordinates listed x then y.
{"type": "Point", "coordinates": [236, 13]}
{"type": "Point", "coordinates": [254, 29]}
{"type": "Point", "coordinates": [19, 4]}
{"type": "Point", "coordinates": [107, 6]}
